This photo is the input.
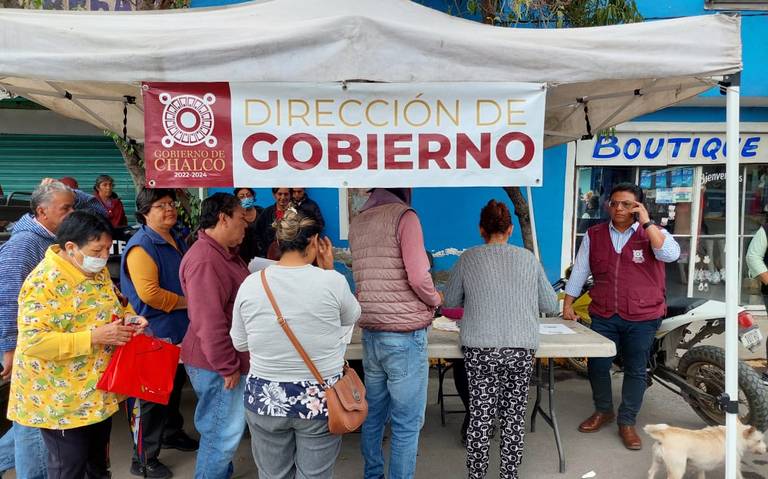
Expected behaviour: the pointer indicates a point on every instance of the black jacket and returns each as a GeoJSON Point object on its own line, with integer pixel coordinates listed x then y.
{"type": "Point", "coordinates": [309, 208]}
{"type": "Point", "coordinates": [264, 232]}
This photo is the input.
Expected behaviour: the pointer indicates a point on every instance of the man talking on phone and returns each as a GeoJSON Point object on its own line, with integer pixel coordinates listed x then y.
{"type": "Point", "coordinates": [626, 259]}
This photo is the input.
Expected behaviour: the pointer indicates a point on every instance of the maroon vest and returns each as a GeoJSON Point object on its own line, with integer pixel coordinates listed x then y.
{"type": "Point", "coordinates": [631, 283]}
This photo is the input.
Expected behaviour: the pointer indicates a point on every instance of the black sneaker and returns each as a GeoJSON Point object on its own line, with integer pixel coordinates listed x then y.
{"type": "Point", "coordinates": [180, 441]}
{"type": "Point", "coordinates": [154, 469]}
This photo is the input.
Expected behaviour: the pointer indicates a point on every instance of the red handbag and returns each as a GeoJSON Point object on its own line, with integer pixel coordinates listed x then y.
{"type": "Point", "coordinates": [143, 368]}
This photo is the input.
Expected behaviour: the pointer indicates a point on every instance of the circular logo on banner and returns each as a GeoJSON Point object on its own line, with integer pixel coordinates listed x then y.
{"type": "Point", "coordinates": [188, 120]}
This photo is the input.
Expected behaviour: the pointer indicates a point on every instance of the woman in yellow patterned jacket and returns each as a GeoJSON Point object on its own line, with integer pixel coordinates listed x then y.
{"type": "Point", "coordinates": [70, 319]}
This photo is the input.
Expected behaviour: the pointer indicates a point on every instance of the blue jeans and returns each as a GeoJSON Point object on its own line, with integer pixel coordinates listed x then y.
{"type": "Point", "coordinates": [7, 460]}
{"type": "Point", "coordinates": [22, 448]}
{"type": "Point", "coordinates": [396, 375]}
{"type": "Point", "coordinates": [220, 420]}
{"type": "Point", "coordinates": [633, 340]}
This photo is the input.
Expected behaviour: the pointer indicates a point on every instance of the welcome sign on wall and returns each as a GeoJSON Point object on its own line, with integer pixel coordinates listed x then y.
{"type": "Point", "coordinates": [343, 135]}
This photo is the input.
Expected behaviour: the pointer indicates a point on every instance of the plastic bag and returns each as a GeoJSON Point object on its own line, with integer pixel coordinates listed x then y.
{"type": "Point", "coordinates": [143, 368]}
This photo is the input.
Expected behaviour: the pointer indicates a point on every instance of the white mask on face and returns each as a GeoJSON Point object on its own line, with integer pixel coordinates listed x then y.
{"type": "Point", "coordinates": [92, 264]}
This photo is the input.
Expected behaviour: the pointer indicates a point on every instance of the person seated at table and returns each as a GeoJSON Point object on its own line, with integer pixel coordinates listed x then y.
{"type": "Point", "coordinates": [503, 290]}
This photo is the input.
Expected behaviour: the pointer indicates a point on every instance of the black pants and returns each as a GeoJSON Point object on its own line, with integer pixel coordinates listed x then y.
{"type": "Point", "coordinates": [82, 452]}
{"type": "Point", "coordinates": [462, 387]}
{"type": "Point", "coordinates": [159, 422]}
{"type": "Point", "coordinates": [357, 365]}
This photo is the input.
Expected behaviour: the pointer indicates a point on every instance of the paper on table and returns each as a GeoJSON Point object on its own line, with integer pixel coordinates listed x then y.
{"type": "Point", "coordinates": [444, 324]}
{"type": "Point", "coordinates": [550, 329]}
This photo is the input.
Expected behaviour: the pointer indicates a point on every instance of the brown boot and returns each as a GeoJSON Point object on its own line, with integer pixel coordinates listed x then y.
{"type": "Point", "coordinates": [630, 438]}
{"type": "Point", "coordinates": [597, 420]}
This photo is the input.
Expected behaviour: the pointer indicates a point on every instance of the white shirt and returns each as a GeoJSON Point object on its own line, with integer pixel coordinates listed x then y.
{"type": "Point", "coordinates": [318, 306]}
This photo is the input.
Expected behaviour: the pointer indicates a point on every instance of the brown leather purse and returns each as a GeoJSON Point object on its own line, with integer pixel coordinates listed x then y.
{"type": "Point", "coordinates": [347, 407]}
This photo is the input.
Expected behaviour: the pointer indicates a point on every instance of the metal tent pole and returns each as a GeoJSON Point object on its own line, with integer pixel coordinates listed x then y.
{"type": "Point", "coordinates": [732, 83]}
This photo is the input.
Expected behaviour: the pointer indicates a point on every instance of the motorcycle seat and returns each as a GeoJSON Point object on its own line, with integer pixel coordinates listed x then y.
{"type": "Point", "coordinates": [679, 306]}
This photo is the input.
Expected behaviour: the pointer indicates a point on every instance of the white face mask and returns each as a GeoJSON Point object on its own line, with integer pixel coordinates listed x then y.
{"type": "Point", "coordinates": [92, 264]}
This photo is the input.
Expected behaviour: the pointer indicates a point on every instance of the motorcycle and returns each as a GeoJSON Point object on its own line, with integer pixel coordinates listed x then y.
{"type": "Point", "coordinates": [693, 371]}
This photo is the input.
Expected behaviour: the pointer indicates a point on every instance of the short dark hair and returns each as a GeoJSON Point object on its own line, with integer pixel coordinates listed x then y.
{"type": "Point", "coordinates": [214, 205]}
{"type": "Point", "coordinates": [81, 227]}
{"type": "Point", "coordinates": [495, 217]}
{"type": "Point", "coordinates": [146, 197]}
{"type": "Point", "coordinates": [102, 179]}
{"type": "Point", "coordinates": [401, 193]}
{"type": "Point", "coordinates": [294, 231]}
{"type": "Point", "coordinates": [630, 188]}
{"type": "Point", "coordinates": [237, 190]}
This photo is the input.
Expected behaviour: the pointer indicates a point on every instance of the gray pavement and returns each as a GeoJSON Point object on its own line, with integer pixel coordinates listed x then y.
{"type": "Point", "coordinates": [442, 456]}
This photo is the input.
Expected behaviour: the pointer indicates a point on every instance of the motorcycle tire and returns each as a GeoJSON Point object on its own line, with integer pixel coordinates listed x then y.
{"type": "Point", "coordinates": [579, 365]}
{"type": "Point", "coordinates": [752, 391]}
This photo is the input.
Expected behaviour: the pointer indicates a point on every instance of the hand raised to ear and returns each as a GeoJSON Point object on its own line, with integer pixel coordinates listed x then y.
{"type": "Point", "coordinates": [324, 253]}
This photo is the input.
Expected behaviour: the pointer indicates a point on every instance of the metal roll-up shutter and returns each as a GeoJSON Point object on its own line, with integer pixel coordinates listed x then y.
{"type": "Point", "coordinates": [26, 159]}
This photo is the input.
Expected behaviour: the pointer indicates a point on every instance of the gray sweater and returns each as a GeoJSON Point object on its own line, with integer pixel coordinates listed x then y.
{"type": "Point", "coordinates": [503, 289]}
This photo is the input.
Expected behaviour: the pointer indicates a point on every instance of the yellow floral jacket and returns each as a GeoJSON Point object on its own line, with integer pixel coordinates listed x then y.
{"type": "Point", "coordinates": [55, 369]}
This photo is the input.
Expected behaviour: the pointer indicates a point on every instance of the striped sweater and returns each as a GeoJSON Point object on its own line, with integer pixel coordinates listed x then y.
{"type": "Point", "coordinates": [503, 289]}
{"type": "Point", "coordinates": [18, 257]}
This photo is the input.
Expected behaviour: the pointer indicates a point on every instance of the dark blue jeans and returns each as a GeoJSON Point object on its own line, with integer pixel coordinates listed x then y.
{"type": "Point", "coordinates": [633, 340]}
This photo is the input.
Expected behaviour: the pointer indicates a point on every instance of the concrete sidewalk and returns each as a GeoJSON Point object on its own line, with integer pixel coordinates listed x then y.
{"type": "Point", "coordinates": [442, 456]}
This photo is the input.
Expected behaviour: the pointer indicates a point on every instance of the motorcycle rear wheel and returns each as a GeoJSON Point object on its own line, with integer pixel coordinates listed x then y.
{"type": "Point", "coordinates": [703, 367]}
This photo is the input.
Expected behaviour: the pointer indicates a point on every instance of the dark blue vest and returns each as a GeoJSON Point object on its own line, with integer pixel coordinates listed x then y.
{"type": "Point", "coordinates": [171, 325]}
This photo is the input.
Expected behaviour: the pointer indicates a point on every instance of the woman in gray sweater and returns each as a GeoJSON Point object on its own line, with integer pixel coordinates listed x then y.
{"type": "Point", "coordinates": [503, 290]}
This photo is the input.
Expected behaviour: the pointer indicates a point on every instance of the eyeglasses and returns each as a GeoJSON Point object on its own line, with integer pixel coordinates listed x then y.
{"type": "Point", "coordinates": [624, 204]}
{"type": "Point", "coordinates": [167, 204]}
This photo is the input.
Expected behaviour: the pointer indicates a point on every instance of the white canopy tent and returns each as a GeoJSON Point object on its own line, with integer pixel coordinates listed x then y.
{"type": "Point", "coordinates": [84, 64]}
{"type": "Point", "coordinates": [616, 72]}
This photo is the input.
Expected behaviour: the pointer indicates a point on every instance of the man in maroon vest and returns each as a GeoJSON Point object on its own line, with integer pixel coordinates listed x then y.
{"type": "Point", "coordinates": [626, 259]}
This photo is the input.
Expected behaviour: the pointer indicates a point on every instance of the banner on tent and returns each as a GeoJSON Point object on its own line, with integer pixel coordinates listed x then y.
{"type": "Point", "coordinates": [343, 135]}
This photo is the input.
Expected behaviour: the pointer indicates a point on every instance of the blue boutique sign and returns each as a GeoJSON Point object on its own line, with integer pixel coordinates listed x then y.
{"type": "Point", "coordinates": [660, 149]}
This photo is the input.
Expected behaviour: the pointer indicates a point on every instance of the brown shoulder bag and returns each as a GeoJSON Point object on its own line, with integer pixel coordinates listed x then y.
{"type": "Point", "coordinates": [347, 407]}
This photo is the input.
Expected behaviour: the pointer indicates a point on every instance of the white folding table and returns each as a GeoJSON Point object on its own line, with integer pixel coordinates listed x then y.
{"type": "Point", "coordinates": [582, 343]}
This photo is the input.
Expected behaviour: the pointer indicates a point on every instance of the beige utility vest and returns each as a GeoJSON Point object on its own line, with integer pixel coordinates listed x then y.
{"type": "Point", "coordinates": [388, 303]}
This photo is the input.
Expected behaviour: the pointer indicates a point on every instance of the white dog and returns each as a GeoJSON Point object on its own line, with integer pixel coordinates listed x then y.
{"type": "Point", "coordinates": [704, 449]}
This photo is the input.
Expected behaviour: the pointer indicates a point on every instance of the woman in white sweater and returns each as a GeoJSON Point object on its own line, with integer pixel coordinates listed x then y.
{"type": "Point", "coordinates": [285, 407]}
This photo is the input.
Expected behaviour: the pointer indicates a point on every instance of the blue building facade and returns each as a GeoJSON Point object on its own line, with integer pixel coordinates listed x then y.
{"type": "Point", "coordinates": [676, 155]}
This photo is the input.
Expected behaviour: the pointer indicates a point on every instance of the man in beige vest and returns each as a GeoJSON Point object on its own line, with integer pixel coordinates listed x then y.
{"type": "Point", "coordinates": [398, 300]}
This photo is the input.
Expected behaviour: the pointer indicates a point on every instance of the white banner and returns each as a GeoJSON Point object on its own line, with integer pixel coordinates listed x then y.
{"type": "Point", "coordinates": [377, 134]}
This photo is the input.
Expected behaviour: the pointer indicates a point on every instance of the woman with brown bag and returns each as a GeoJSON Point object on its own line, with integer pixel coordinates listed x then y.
{"type": "Point", "coordinates": [286, 405]}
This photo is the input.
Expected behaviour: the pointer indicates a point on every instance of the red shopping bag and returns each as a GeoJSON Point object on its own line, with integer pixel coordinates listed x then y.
{"type": "Point", "coordinates": [143, 368]}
